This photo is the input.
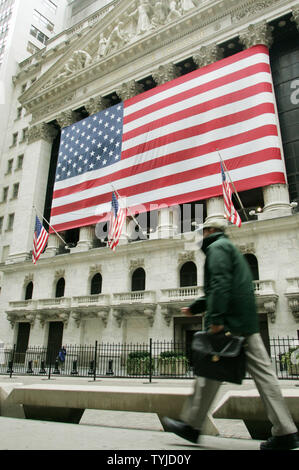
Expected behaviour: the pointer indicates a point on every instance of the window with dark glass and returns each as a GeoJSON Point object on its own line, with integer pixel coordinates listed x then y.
{"type": "Point", "coordinates": [29, 291]}
{"type": "Point", "coordinates": [188, 275]}
{"type": "Point", "coordinates": [60, 286]}
{"type": "Point", "coordinates": [138, 279]}
{"type": "Point", "coordinates": [96, 284]}
{"type": "Point", "coordinates": [253, 264]}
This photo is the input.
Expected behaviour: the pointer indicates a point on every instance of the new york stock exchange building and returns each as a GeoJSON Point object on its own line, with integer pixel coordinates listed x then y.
{"type": "Point", "coordinates": [183, 84]}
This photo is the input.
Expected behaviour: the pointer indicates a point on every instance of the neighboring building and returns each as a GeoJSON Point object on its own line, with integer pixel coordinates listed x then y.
{"type": "Point", "coordinates": [25, 28]}
{"type": "Point", "coordinates": [86, 292]}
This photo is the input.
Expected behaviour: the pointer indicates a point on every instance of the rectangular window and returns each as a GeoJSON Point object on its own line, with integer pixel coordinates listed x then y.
{"type": "Point", "coordinates": [24, 134]}
{"type": "Point", "coordinates": [5, 253]}
{"type": "Point", "coordinates": [14, 139]}
{"type": "Point", "coordinates": [19, 112]}
{"type": "Point", "coordinates": [10, 222]}
{"type": "Point", "coordinates": [50, 5]}
{"type": "Point", "coordinates": [5, 194]}
{"type": "Point", "coordinates": [42, 20]}
{"type": "Point", "coordinates": [20, 162]}
{"type": "Point", "coordinates": [15, 190]}
{"type": "Point", "coordinates": [9, 166]}
{"type": "Point", "coordinates": [1, 224]}
{"type": "Point", "coordinates": [41, 37]}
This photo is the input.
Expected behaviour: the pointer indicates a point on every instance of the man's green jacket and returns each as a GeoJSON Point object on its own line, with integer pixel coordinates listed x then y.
{"type": "Point", "coordinates": [229, 294]}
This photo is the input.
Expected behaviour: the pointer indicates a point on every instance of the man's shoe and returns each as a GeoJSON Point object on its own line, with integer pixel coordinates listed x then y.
{"type": "Point", "coordinates": [286, 442]}
{"type": "Point", "coordinates": [180, 429]}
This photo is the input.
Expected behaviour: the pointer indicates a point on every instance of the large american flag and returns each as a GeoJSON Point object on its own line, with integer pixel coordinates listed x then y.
{"type": "Point", "coordinates": [40, 239]}
{"type": "Point", "coordinates": [229, 209]}
{"type": "Point", "coordinates": [161, 147]}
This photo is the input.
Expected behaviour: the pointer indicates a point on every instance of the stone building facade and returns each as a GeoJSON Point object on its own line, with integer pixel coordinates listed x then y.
{"type": "Point", "coordinates": [84, 292]}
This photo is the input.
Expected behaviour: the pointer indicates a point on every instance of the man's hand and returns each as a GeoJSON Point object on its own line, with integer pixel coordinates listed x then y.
{"type": "Point", "coordinates": [186, 311]}
{"type": "Point", "coordinates": [214, 329]}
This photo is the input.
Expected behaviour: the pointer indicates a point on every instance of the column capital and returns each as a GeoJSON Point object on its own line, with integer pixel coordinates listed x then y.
{"type": "Point", "coordinates": [295, 14]}
{"type": "Point", "coordinates": [94, 105]}
{"type": "Point", "coordinates": [42, 131]}
{"type": "Point", "coordinates": [259, 33]}
{"type": "Point", "coordinates": [207, 55]}
{"type": "Point", "coordinates": [129, 89]}
{"type": "Point", "coordinates": [67, 118]}
{"type": "Point", "coordinates": [165, 73]}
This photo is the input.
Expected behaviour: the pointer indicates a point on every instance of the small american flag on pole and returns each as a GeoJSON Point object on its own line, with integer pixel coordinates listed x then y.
{"type": "Point", "coordinates": [40, 239]}
{"type": "Point", "coordinates": [118, 217]}
{"type": "Point", "coordinates": [229, 210]}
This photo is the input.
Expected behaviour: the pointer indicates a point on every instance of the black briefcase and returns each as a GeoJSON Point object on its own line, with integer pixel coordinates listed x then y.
{"type": "Point", "coordinates": [219, 356]}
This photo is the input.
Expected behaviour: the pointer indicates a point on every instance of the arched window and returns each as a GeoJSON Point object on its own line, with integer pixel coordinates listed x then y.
{"type": "Point", "coordinates": [138, 279]}
{"type": "Point", "coordinates": [60, 287]}
{"type": "Point", "coordinates": [29, 291]}
{"type": "Point", "coordinates": [96, 284]}
{"type": "Point", "coordinates": [253, 264]}
{"type": "Point", "coordinates": [188, 275]}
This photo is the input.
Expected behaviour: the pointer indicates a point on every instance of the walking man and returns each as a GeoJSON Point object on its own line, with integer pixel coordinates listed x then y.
{"type": "Point", "coordinates": [229, 303]}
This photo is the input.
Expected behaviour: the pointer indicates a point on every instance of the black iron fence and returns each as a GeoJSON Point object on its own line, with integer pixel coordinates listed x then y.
{"type": "Point", "coordinates": [152, 359]}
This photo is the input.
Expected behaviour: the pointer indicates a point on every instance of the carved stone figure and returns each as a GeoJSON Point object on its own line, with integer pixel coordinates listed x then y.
{"type": "Point", "coordinates": [102, 46]}
{"type": "Point", "coordinates": [143, 11]}
{"type": "Point", "coordinates": [174, 13]}
{"type": "Point", "coordinates": [160, 14]}
{"type": "Point", "coordinates": [78, 61]}
{"type": "Point", "coordinates": [116, 38]}
{"type": "Point", "coordinates": [187, 5]}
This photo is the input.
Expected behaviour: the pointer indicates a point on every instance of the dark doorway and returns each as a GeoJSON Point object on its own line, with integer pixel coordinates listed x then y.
{"type": "Point", "coordinates": [22, 342]}
{"type": "Point", "coordinates": [54, 340]}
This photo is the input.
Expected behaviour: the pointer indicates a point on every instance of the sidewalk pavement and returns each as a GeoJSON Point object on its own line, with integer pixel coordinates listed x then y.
{"type": "Point", "coordinates": [118, 431]}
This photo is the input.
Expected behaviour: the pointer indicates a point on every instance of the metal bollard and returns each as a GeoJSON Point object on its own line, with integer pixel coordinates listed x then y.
{"type": "Point", "coordinates": [9, 369]}
{"type": "Point", "coordinates": [74, 371]}
{"type": "Point", "coordinates": [42, 368]}
{"type": "Point", "coordinates": [91, 368]}
{"type": "Point", "coordinates": [110, 368]}
{"type": "Point", "coordinates": [56, 370]}
{"type": "Point", "coordinates": [29, 370]}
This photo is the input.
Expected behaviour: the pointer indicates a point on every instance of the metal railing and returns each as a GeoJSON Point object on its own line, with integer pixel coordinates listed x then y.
{"type": "Point", "coordinates": [161, 359]}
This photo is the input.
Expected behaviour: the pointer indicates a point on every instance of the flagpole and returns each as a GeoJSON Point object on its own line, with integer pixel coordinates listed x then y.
{"type": "Point", "coordinates": [40, 214]}
{"type": "Point", "coordinates": [131, 215]}
{"type": "Point", "coordinates": [234, 188]}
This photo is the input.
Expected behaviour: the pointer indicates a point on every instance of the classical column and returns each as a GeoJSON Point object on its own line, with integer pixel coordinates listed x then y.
{"type": "Point", "coordinates": [255, 34]}
{"type": "Point", "coordinates": [94, 105]}
{"type": "Point", "coordinates": [67, 118]}
{"type": "Point", "coordinates": [207, 55]}
{"type": "Point", "coordinates": [32, 189]}
{"type": "Point", "coordinates": [165, 73]}
{"type": "Point", "coordinates": [53, 246]}
{"type": "Point", "coordinates": [129, 89]}
{"type": "Point", "coordinates": [126, 91]}
{"type": "Point", "coordinates": [86, 239]}
{"type": "Point", "coordinates": [204, 56]}
{"type": "Point", "coordinates": [168, 217]}
{"type": "Point", "coordinates": [276, 196]}
{"type": "Point", "coordinates": [168, 223]}
{"type": "Point", "coordinates": [215, 209]}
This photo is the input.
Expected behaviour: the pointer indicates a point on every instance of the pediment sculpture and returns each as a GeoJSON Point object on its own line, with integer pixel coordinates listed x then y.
{"type": "Point", "coordinates": [141, 18]}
